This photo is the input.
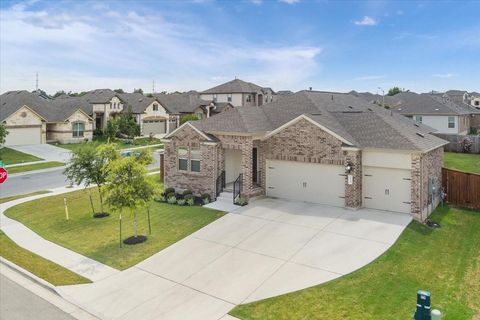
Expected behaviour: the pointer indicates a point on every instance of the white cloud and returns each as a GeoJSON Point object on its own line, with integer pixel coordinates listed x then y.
{"type": "Point", "coordinates": [366, 21]}
{"type": "Point", "coordinates": [362, 78]}
{"type": "Point", "coordinates": [289, 1]}
{"type": "Point", "coordinates": [121, 48]}
{"type": "Point", "coordinates": [444, 75]}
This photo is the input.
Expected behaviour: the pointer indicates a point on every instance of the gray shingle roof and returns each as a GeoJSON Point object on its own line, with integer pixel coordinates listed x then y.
{"type": "Point", "coordinates": [410, 103]}
{"type": "Point", "coordinates": [181, 102]}
{"type": "Point", "coordinates": [235, 86]}
{"type": "Point", "coordinates": [53, 110]}
{"type": "Point", "coordinates": [136, 101]}
{"type": "Point", "coordinates": [100, 95]}
{"type": "Point", "coordinates": [363, 124]}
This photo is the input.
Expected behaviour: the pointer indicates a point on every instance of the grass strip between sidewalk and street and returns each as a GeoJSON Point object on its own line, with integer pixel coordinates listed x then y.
{"type": "Point", "coordinates": [444, 261]}
{"type": "Point", "coordinates": [11, 156]}
{"type": "Point", "coordinates": [20, 196]}
{"type": "Point", "coordinates": [35, 166]}
{"type": "Point", "coordinates": [41, 267]}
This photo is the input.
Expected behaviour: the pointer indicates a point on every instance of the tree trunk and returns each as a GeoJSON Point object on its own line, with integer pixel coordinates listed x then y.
{"type": "Point", "coordinates": [135, 225]}
{"type": "Point", "coordinates": [101, 198]}
{"type": "Point", "coordinates": [91, 203]}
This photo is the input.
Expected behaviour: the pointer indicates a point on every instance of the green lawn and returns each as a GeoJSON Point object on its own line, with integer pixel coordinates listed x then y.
{"type": "Point", "coordinates": [99, 238]}
{"type": "Point", "coordinates": [10, 156]}
{"type": "Point", "coordinates": [42, 268]}
{"type": "Point", "coordinates": [140, 142]}
{"type": "Point", "coordinates": [466, 162]}
{"type": "Point", "coordinates": [36, 166]}
{"type": "Point", "coordinates": [444, 261]}
{"type": "Point", "coordinates": [6, 199]}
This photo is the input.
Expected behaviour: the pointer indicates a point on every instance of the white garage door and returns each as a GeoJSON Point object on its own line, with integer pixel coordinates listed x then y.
{"type": "Point", "coordinates": [155, 127]}
{"type": "Point", "coordinates": [387, 189]}
{"type": "Point", "coordinates": [23, 136]}
{"type": "Point", "coordinates": [317, 183]}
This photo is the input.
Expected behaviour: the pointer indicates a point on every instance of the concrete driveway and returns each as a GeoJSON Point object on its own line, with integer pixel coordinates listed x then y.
{"type": "Point", "coordinates": [45, 151]}
{"type": "Point", "coordinates": [267, 248]}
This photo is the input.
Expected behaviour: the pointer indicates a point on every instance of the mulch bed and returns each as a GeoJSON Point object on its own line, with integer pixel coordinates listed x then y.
{"type": "Point", "coordinates": [101, 214]}
{"type": "Point", "coordinates": [135, 240]}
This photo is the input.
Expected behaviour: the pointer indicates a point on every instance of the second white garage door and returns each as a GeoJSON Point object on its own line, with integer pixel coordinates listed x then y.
{"type": "Point", "coordinates": [311, 182]}
{"type": "Point", "coordinates": [387, 189]}
{"type": "Point", "coordinates": [23, 136]}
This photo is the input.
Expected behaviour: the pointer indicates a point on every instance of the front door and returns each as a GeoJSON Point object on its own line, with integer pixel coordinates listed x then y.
{"type": "Point", "coordinates": [98, 122]}
{"type": "Point", "coordinates": [254, 165]}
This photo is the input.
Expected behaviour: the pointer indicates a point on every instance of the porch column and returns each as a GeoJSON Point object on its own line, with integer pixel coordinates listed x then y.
{"type": "Point", "coordinates": [167, 125]}
{"type": "Point", "coordinates": [247, 150]}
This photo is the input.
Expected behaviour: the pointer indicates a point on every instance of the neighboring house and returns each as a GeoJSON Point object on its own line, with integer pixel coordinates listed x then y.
{"type": "Point", "coordinates": [32, 118]}
{"type": "Point", "coordinates": [239, 93]}
{"type": "Point", "coordinates": [435, 110]}
{"type": "Point", "coordinates": [319, 147]}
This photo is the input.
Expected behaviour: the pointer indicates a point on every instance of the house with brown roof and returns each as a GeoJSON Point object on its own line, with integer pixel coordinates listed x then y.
{"type": "Point", "coordinates": [321, 147]}
{"type": "Point", "coordinates": [239, 93]}
{"type": "Point", "coordinates": [33, 118]}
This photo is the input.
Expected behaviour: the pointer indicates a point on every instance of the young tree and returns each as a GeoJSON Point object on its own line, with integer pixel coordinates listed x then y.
{"type": "Point", "coordinates": [129, 188]}
{"type": "Point", "coordinates": [3, 133]}
{"type": "Point", "coordinates": [395, 90]}
{"type": "Point", "coordinates": [139, 90]}
{"type": "Point", "coordinates": [188, 117]}
{"type": "Point", "coordinates": [111, 130]}
{"type": "Point", "coordinates": [58, 94]}
{"type": "Point", "coordinates": [127, 124]}
{"type": "Point", "coordinates": [119, 91]}
{"type": "Point", "coordinates": [89, 165]}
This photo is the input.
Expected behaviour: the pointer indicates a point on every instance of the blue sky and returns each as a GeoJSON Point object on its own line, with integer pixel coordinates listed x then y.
{"type": "Point", "coordinates": [286, 44]}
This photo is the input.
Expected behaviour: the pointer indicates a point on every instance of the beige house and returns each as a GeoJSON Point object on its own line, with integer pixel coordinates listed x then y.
{"type": "Point", "coordinates": [239, 93]}
{"type": "Point", "coordinates": [318, 147]}
{"type": "Point", "coordinates": [32, 118]}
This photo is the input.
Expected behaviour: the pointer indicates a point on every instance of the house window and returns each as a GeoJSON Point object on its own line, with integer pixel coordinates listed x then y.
{"type": "Point", "coordinates": [214, 97]}
{"type": "Point", "coordinates": [78, 129]}
{"type": "Point", "coordinates": [477, 103]}
{"type": "Point", "coordinates": [418, 119]}
{"type": "Point", "coordinates": [195, 157]}
{"type": "Point", "coordinates": [155, 107]}
{"type": "Point", "coordinates": [182, 158]}
{"type": "Point", "coordinates": [451, 122]}
{"type": "Point", "coordinates": [229, 97]}
{"type": "Point", "coordinates": [249, 98]}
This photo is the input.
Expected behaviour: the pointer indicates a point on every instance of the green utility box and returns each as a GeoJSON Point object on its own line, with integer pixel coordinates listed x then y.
{"type": "Point", "coordinates": [423, 311]}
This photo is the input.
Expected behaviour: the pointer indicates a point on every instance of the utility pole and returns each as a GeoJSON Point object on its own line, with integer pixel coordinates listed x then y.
{"type": "Point", "coordinates": [153, 86]}
{"type": "Point", "coordinates": [383, 97]}
{"type": "Point", "coordinates": [36, 81]}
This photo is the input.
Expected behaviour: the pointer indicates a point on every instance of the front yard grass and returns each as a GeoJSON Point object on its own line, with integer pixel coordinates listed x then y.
{"type": "Point", "coordinates": [10, 156]}
{"type": "Point", "coordinates": [42, 268]}
{"type": "Point", "coordinates": [445, 261]}
{"type": "Point", "coordinates": [466, 162]}
{"type": "Point", "coordinates": [99, 238]}
{"type": "Point", "coordinates": [11, 198]}
{"type": "Point", "coordinates": [139, 142]}
{"type": "Point", "coordinates": [35, 166]}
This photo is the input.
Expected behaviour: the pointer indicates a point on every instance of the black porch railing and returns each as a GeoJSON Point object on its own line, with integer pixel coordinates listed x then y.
{"type": "Point", "coordinates": [220, 183]}
{"type": "Point", "coordinates": [237, 187]}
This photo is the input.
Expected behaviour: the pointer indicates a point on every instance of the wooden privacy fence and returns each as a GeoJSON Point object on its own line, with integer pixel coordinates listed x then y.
{"type": "Point", "coordinates": [455, 144]}
{"type": "Point", "coordinates": [462, 188]}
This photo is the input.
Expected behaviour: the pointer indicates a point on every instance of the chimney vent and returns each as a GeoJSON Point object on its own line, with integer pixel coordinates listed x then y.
{"type": "Point", "coordinates": [310, 88]}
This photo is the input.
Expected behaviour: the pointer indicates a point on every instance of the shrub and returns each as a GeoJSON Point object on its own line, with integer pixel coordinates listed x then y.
{"type": "Point", "coordinates": [172, 200]}
{"type": "Point", "coordinates": [187, 192]}
{"type": "Point", "coordinates": [242, 201]}
{"type": "Point", "coordinates": [206, 195]}
{"type": "Point", "coordinates": [181, 202]}
{"type": "Point", "coordinates": [188, 196]}
{"type": "Point", "coordinates": [169, 190]}
{"type": "Point", "coordinates": [190, 202]}
{"type": "Point", "coordinates": [97, 133]}
{"type": "Point", "coordinates": [473, 131]}
{"type": "Point", "coordinates": [160, 198]}
{"type": "Point", "coordinates": [466, 144]}
{"type": "Point", "coordinates": [171, 194]}
{"type": "Point", "coordinates": [206, 200]}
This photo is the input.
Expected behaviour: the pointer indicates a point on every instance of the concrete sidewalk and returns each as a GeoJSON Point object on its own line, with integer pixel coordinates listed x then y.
{"type": "Point", "coordinates": [45, 151]}
{"type": "Point", "coordinates": [31, 241]}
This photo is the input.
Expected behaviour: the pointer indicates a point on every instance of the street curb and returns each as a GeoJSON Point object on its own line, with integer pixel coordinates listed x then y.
{"type": "Point", "coordinates": [19, 174]}
{"type": "Point", "coordinates": [29, 275]}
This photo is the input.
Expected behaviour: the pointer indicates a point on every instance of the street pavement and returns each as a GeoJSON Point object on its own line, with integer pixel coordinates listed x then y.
{"type": "Point", "coordinates": [50, 179]}
{"type": "Point", "coordinates": [17, 303]}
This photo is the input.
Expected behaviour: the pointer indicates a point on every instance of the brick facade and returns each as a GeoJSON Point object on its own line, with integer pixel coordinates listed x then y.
{"type": "Point", "coordinates": [425, 166]}
{"type": "Point", "coordinates": [198, 182]}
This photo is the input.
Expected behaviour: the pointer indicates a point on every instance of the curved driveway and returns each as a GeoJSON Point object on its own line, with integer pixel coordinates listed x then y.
{"type": "Point", "coordinates": [267, 248]}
